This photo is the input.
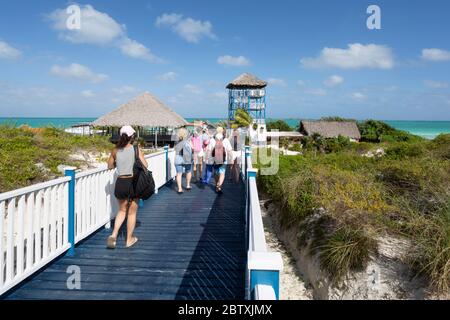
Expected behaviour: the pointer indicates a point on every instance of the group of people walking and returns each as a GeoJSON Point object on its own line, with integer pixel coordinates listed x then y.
{"type": "Point", "coordinates": [201, 156]}
{"type": "Point", "coordinates": [204, 155]}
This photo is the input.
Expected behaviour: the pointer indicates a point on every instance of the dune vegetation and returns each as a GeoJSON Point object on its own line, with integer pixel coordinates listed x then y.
{"type": "Point", "coordinates": [343, 196]}
{"type": "Point", "coordinates": [29, 156]}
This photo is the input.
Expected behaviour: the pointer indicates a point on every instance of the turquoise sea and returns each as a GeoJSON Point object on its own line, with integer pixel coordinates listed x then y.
{"type": "Point", "coordinates": [426, 129]}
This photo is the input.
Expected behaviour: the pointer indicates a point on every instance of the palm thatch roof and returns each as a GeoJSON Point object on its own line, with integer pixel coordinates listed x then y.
{"type": "Point", "coordinates": [331, 129]}
{"type": "Point", "coordinates": [247, 80]}
{"type": "Point", "coordinates": [143, 111]}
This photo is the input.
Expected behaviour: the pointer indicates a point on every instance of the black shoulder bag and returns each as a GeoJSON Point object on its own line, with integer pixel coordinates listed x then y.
{"type": "Point", "coordinates": [143, 182]}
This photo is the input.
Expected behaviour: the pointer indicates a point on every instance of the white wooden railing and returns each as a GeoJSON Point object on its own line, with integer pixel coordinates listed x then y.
{"type": "Point", "coordinates": [35, 222]}
{"type": "Point", "coordinates": [263, 267]}
{"type": "Point", "coordinates": [32, 229]}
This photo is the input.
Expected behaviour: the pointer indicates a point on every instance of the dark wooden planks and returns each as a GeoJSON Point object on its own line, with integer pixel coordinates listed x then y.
{"type": "Point", "coordinates": [191, 246]}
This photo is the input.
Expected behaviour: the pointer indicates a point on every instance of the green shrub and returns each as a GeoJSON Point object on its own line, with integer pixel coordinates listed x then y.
{"type": "Point", "coordinates": [297, 147]}
{"type": "Point", "coordinates": [400, 179]}
{"type": "Point", "coordinates": [403, 150]}
{"type": "Point", "coordinates": [440, 146]}
{"type": "Point", "coordinates": [279, 125]}
{"type": "Point", "coordinates": [336, 119]}
{"type": "Point", "coordinates": [315, 142]}
{"type": "Point", "coordinates": [337, 144]}
{"type": "Point", "coordinates": [21, 149]}
{"type": "Point", "coordinates": [378, 131]}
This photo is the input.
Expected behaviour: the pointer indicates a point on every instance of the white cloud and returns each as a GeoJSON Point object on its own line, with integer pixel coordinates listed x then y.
{"type": "Point", "coordinates": [87, 94]}
{"type": "Point", "coordinates": [189, 29]}
{"type": "Point", "coordinates": [435, 55]}
{"type": "Point", "coordinates": [317, 92]}
{"type": "Point", "coordinates": [358, 96]}
{"type": "Point", "coordinates": [78, 72]}
{"type": "Point", "coordinates": [168, 19]}
{"type": "Point", "coordinates": [96, 27]}
{"type": "Point", "coordinates": [333, 81]}
{"type": "Point", "coordinates": [192, 89]}
{"type": "Point", "coordinates": [436, 84]}
{"type": "Point", "coordinates": [137, 50]}
{"type": "Point", "coordinates": [276, 82]}
{"type": "Point", "coordinates": [99, 28]}
{"type": "Point", "coordinates": [239, 61]}
{"type": "Point", "coordinates": [8, 52]}
{"type": "Point", "coordinates": [168, 76]}
{"type": "Point", "coordinates": [354, 57]}
{"type": "Point", "coordinates": [301, 83]}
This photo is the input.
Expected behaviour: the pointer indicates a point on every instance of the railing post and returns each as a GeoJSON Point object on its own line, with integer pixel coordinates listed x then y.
{"type": "Point", "coordinates": [70, 172]}
{"type": "Point", "coordinates": [264, 269]}
{"type": "Point", "coordinates": [248, 155]}
{"type": "Point", "coordinates": [166, 149]}
{"type": "Point", "coordinates": [250, 173]}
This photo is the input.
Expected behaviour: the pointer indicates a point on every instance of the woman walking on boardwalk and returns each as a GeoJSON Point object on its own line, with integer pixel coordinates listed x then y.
{"type": "Point", "coordinates": [122, 158]}
{"type": "Point", "coordinates": [183, 159]}
{"type": "Point", "coordinates": [197, 147]}
{"type": "Point", "coordinates": [220, 151]}
{"type": "Point", "coordinates": [235, 158]}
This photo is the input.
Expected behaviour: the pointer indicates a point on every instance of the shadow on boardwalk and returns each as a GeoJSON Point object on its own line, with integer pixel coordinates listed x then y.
{"type": "Point", "coordinates": [221, 248]}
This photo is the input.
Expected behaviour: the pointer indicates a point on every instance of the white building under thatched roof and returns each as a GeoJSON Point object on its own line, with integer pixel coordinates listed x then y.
{"type": "Point", "coordinates": [331, 129]}
{"type": "Point", "coordinates": [142, 111]}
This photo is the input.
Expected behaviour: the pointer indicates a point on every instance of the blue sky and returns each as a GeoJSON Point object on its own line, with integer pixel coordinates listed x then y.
{"type": "Point", "coordinates": [319, 57]}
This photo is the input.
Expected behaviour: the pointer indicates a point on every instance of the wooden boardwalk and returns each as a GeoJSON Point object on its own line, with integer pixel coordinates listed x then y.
{"type": "Point", "coordinates": [191, 246]}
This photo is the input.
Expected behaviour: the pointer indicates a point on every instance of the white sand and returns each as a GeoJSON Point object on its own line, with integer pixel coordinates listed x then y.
{"type": "Point", "coordinates": [292, 286]}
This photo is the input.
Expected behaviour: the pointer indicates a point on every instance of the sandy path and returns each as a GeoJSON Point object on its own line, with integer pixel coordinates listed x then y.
{"type": "Point", "coordinates": [291, 284]}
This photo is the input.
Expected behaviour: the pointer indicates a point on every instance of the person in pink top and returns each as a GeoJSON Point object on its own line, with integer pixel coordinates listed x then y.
{"type": "Point", "coordinates": [197, 148]}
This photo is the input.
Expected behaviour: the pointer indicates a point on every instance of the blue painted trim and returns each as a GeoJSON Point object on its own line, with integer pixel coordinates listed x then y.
{"type": "Point", "coordinates": [251, 174]}
{"type": "Point", "coordinates": [266, 277]}
{"type": "Point", "coordinates": [166, 149]}
{"type": "Point", "coordinates": [71, 225]}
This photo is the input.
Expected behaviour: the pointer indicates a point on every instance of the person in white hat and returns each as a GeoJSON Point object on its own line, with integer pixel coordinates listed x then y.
{"type": "Point", "coordinates": [122, 158]}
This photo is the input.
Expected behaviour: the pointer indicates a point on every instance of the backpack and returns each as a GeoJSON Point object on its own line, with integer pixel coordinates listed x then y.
{"type": "Point", "coordinates": [218, 153]}
{"type": "Point", "coordinates": [235, 141]}
{"type": "Point", "coordinates": [186, 152]}
{"type": "Point", "coordinates": [143, 182]}
{"type": "Point", "coordinates": [197, 144]}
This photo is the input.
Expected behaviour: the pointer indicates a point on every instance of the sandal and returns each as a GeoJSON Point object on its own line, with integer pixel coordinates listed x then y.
{"type": "Point", "coordinates": [111, 243]}
{"type": "Point", "coordinates": [132, 243]}
{"type": "Point", "coordinates": [188, 188]}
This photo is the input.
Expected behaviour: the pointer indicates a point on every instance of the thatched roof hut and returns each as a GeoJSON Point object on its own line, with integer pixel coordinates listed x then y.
{"type": "Point", "coordinates": [143, 111]}
{"type": "Point", "coordinates": [247, 80]}
{"type": "Point", "coordinates": [331, 129]}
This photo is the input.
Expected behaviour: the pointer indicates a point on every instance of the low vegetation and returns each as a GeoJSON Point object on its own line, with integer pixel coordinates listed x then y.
{"type": "Point", "coordinates": [342, 200]}
{"type": "Point", "coordinates": [279, 125]}
{"type": "Point", "coordinates": [29, 156]}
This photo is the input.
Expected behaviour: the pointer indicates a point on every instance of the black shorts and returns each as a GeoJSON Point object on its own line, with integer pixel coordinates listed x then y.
{"type": "Point", "coordinates": [124, 189]}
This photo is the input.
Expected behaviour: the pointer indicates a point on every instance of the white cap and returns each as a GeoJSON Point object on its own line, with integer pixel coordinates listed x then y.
{"type": "Point", "coordinates": [128, 130]}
